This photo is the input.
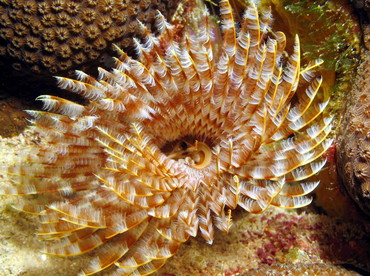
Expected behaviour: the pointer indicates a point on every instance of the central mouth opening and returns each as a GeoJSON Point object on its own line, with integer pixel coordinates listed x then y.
{"type": "Point", "coordinates": [192, 152]}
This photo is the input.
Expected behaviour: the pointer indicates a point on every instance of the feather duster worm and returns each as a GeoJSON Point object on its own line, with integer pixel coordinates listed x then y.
{"type": "Point", "coordinates": [170, 144]}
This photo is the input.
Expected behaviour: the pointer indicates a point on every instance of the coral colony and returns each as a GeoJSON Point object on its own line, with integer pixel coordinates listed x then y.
{"type": "Point", "coordinates": [52, 36]}
{"type": "Point", "coordinates": [171, 143]}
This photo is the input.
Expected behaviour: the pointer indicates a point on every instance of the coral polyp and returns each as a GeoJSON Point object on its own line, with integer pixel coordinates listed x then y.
{"type": "Point", "coordinates": [170, 144]}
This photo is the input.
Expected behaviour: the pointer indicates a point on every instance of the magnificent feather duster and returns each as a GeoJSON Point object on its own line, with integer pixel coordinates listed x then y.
{"type": "Point", "coordinates": [170, 143]}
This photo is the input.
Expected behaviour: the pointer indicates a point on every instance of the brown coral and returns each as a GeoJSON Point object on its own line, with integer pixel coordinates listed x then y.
{"type": "Point", "coordinates": [35, 34]}
{"type": "Point", "coordinates": [354, 141]}
{"type": "Point", "coordinates": [169, 145]}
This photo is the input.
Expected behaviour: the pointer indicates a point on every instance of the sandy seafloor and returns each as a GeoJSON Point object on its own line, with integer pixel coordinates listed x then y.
{"type": "Point", "coordinates": [274, 237]}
